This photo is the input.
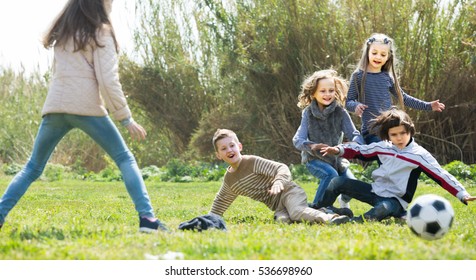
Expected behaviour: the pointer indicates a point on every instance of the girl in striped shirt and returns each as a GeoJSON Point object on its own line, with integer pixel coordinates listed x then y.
{"type": "Point", "coordinates": [374, 82]}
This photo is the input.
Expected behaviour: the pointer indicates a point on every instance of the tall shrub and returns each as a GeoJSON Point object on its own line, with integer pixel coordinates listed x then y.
{"type": "Point", "coordinates": [245, 60]}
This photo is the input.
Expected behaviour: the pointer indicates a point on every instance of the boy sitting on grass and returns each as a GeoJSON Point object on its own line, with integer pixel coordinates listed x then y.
{"type": "Point", "coordinates": [263, 180]}
{"type": "Point", "coordinates": [401, 162]}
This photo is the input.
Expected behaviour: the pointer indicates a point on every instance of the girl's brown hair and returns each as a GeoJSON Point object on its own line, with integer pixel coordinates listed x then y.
{"type": "Point", "coordinates": [81, 20]}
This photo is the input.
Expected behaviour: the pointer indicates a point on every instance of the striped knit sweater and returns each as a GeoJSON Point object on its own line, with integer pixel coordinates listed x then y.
{"type": "Point", "coordinates": [253, 178]}
{"type": "Point", "coordinates": [379, 89]}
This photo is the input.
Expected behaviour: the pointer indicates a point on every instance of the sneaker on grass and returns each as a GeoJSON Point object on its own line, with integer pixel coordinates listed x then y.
{"type": "Point", "coordinates": [333, 210]}
{"type": "Point", "coordinates": [338, 220]}
{"type": "Point", "coordinates": [149, 225]}
{"type": "Point", "coordinates": [341, 211]}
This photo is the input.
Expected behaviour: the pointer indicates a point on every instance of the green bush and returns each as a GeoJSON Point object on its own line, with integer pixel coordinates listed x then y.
{"type": "Point", "coordinates": [54, 172]}
{"type": "Point", "coordinates": [11, 169]}
{"type": "Point", "coordinates": [108, 174]}
{"type": "Point", "coordinates": [300, 173]}
{"type": "Point", "coordinates": [78, 168]}
{"type": "Point", "coordinates": [242, 56]}
{"type": "Point", "coordinates": [177, 170]}
{"type": "Point", "coordinates": [213, 172]}
{"type": "Point", "coordinates": [363, 172]}
{"type": "Point", "coordinates": [472, 169]}
{"type": "Point", "coordinates": [151, 171]}
{"type": "Point", "coordinates": [460, 170]}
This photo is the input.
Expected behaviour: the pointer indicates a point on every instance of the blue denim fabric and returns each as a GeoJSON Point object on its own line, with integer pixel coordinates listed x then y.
{"type": "Point", "coordinates": [325, 173]}
{"type": "Point", "coordinates": [383, 207]}
{"type": "Point", "coordinates": [102, 130]}
{"type": "Point", "coordinates": [371, 138]}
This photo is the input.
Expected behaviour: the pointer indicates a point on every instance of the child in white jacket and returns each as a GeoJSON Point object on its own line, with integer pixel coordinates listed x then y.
{"type": "Point", "coordinates": [395, 180]}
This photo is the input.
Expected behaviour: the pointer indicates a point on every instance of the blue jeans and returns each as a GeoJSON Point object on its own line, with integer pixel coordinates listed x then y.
{"type": "Point", "coordinates": [371, 138]}
{"type": "Point", "coordinates": [102, 130]}
{"type": "Point", "coordinates": [325, 173]}
{"type": "Point", "coordinates": [383, 207]}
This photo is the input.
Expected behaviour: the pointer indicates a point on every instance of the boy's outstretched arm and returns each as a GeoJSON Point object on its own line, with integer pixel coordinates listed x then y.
{"type": "Point", "coordinates": [469, 198]}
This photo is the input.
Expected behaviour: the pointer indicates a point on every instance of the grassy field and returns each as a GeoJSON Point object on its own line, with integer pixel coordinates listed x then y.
{"type": "Point", "coordinates": [75, 219]}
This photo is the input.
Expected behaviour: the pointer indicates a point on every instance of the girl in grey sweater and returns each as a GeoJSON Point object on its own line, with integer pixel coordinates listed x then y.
{"type": "Point", "coordinates": [324, 122]}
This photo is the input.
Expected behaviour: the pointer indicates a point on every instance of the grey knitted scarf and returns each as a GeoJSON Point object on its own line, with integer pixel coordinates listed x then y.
{"type": "Point", "coordinates": [326, 127]}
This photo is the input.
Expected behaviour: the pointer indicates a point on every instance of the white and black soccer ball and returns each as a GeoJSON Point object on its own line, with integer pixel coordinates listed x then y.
{"type": "Point", "coordinates": [430, 216]}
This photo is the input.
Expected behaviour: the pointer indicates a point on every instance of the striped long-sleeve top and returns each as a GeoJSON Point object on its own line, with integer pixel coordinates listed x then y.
{"type": "Point", "coordinates": [379, 89]}
{"type": "Point", "coordinates": [253, 178]}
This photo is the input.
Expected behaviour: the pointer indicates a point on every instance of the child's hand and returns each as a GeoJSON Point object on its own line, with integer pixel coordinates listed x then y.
{"type": "Point", "coordinates": [329, 151]}
{"type": "Point", "coordinates": [437, 106]}
{"type": "Point", "coordinates": [276, 188]}
{"type": "Point", "coordinates": [359, 109]}
{"type": "Point", "coordinates": [469, 198]}
{"type": "Point", "coordinates": [136, 131]}
{"type": "Point", "coordinates": [318, 147]}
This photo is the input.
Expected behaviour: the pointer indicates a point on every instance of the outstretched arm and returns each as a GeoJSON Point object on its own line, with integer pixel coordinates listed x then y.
{"type": "Point", "coordinates": [437, 106]}
{"type": "Point", "coordinates": [434, 171]}
{"type": "Point", "coordinates": [469, 198]}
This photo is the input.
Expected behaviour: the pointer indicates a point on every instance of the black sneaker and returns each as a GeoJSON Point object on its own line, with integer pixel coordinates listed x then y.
{"type": "Point", "coordinates": [339, 220]}
{"type": "Point", "coordinates": [149, 225]}
{"type": "Point", "coordinates": [341, 211]}
{"type": "Point", "coordinates": [358, 219]}
{"type": "Point", "coordinates": [323, 209]}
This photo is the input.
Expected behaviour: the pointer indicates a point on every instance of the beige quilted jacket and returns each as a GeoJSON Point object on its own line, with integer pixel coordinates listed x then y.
{"type": "Point", "coordinates": [87, 82]}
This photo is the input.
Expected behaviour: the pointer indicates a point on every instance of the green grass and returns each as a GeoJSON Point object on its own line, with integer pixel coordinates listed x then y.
{"type": "Point", "coordinates": [75, 219]}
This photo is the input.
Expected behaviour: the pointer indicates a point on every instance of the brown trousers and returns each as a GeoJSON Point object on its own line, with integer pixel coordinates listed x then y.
{"type": "Point", "coordinates": [293, 208]}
